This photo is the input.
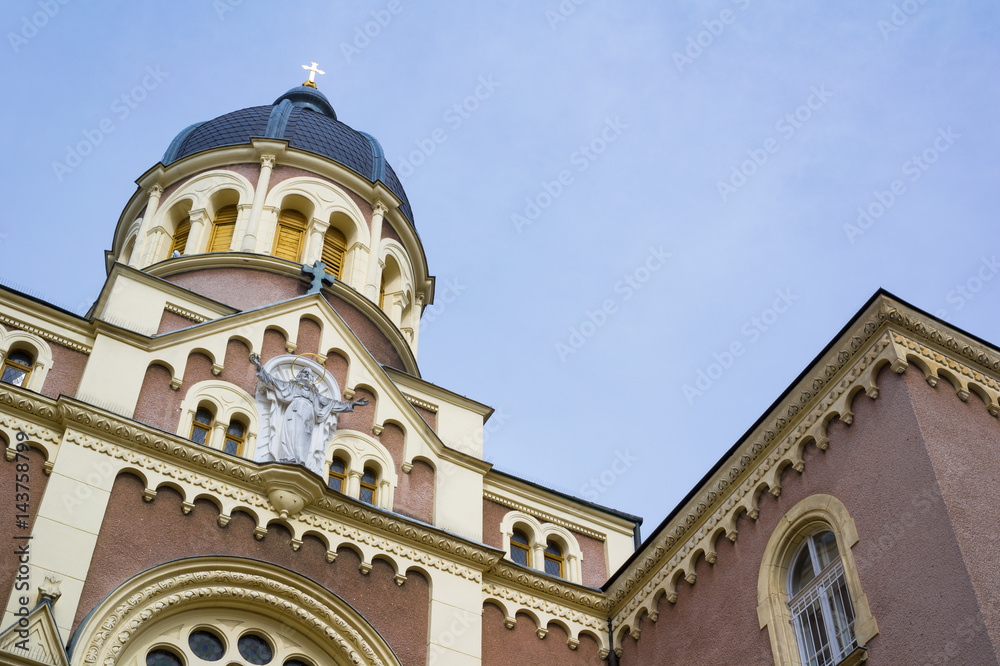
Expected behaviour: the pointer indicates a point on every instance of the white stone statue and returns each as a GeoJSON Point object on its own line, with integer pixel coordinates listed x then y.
{"type": "Point", "coordinates": [297, 420]}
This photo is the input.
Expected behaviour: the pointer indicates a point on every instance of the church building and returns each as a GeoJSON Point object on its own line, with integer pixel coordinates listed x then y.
{"type": "Point", "coordinates": [232, 459]}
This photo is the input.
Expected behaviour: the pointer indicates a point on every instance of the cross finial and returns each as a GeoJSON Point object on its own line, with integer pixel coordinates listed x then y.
{"type": "Point", "coordinates": [320, 278]}
{"type": "Point", "coordinates": [313, 71]}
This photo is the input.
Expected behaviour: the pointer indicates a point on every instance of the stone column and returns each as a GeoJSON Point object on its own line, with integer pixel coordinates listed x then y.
{"type": "Point", "coordinates": [314, 243]}
{"type": "Point", "coordinates": [250, 239]}
{"type": "Point", "coordinates": [373, 276]}
{"type": "Point", "coordinates": [141, 251]}
{"type": "Point", "coordinates": [353, 483]}
{"type": "Point", "coordinates": [195, 242]}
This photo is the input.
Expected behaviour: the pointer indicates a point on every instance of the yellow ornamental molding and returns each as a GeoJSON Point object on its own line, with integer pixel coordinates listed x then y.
{"type": "Point", "coordinates": [543, 611]}
{"type": "Point", "coordinates": [585, 598]}
{"type": "Point", "coordinates": [800, 419]}
{"type": "Point", "coordinates": [42, 333]}
{"type": "Point", "coordinates": [187, 314]}
{"type": "Point", "coordinates": [417, 402]}
{"type": "Point", "coordinates": [188, 584]}
{"type": "Point", "coordinates": [532, 511]}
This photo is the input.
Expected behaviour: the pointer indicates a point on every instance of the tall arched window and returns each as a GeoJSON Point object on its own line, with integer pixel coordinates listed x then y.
{"type": "Point", "coordinates": [820, 604]}
{"type": "Point", "coordinates": [17, 368]}
{"type": "Point", "coordinates": [181, 234]}
{"type": "Point", "coordinates": [235, 436]}
{"type": "Point", "coordinates": [338, 474]}
{"type": "Point", "coordinates": [289, 234]}
{"type": "Point", "coordinates": [201, 426]}
{"type": "Point", "coordinates": [809, 595]}
{"type": "Point", "coordinates": [520, 548]}
{"type": "Point", "coordinates": [222, 229]}
{"type": "Point", "coordinates": [554, 559]}
{"type": "Point", "coordinates": [369, 485]}
{"type": "Point", "coordinates": [334, 251]}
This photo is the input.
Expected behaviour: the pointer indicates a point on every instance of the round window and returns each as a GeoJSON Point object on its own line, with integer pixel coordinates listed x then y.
{"type": "Point", "coordinates": [206, 645]}
{"type": "Point", "coordinates": [162, 657]}
{"type": "Point", "coordinates": [255, 649]}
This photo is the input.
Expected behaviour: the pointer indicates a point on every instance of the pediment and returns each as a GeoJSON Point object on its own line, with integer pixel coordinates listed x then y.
{"type": "Point", "coordinates": [36, 644]}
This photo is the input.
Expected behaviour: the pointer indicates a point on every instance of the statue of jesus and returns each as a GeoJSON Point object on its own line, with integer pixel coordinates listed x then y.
{"type": "Point", "coordinates": [296, 409]}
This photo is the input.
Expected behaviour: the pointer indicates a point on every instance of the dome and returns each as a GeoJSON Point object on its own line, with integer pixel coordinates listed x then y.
{"type": "Point", "coordinates": [304, 117]}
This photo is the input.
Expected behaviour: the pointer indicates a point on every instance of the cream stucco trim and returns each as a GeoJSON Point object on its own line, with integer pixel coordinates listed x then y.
{"type": "Point", "coordinates": [359, 451]}
{"type": "Point", "coordinates": [185, 589]}
{"type": "Point", "coordinates": [886, 333]}
{"type": "Point", "coordinates": [809, 515]}
{"type": "Point", "coordinates": [228, 401]}
{"type": "Point", "coordinates": [538, 536]}
{"type": "Point", "coordinates": [11, 341]}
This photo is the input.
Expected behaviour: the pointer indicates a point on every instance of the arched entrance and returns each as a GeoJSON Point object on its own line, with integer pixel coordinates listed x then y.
{"type": "Point", "coordinates": [229, 611]}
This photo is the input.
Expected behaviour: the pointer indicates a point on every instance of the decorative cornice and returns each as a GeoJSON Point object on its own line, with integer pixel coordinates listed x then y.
{"type": "Point", "coordinates": [417, 402]}
{"type": "Point", "coordinates": [187, 314]}
{"type": "Point", "coordinates": [584, 598]}
{"type": "Point", "coordinates": [548, 517]}
{"type": "Point", "coordinates": [802, 417]}
{"type": "Point", "coordinates": [594, 619]}
{"type": "Point", "coordinates": [42, 333]}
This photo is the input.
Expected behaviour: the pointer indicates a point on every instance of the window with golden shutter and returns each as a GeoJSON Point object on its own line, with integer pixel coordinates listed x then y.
{"type": "Point", "coordinates": [334, 251]}
{"type": "Point", "coordinates": [180, 236]}
{"type": "Point", "coordinates": [288, 237]}
{"type": "Point", "coordinates": [222, 230]}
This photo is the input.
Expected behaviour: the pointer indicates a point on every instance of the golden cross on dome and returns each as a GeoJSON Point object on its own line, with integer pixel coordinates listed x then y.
{"type": "Point", "coordinates": [313, 71]}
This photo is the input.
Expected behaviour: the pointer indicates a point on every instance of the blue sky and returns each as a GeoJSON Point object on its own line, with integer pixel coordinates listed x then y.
{"type": "Point", "coordinates": [623, 192]}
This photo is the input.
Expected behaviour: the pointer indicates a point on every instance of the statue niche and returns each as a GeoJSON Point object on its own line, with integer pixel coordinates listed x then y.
{"type": "Point", "coordinates": [298, 409]}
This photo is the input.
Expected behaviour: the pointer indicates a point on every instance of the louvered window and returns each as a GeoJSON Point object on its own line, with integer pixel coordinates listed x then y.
{"type": "Point", "coordinates": [288, 237]}
{"type": "Point", "coordinates": [334, 251]}
{"type": "Point", "coordinates": [222, 230]}
{"type": "Point", "coordinates": [180, 236]}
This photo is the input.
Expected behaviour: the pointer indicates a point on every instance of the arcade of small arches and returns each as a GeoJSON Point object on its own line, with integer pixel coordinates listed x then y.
{"type": "Point", "coordinates": [303, 219]}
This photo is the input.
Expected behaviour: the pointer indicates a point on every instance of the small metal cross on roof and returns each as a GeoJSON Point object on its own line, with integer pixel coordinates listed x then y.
{"type": "Point", "coordinates": [313, 71]}
{"type": "Point", "coordinates": [320, 277]}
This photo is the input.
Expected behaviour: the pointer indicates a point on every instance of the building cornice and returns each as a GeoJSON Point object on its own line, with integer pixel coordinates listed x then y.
{"type": "Point", "coordinates": [887, 332]}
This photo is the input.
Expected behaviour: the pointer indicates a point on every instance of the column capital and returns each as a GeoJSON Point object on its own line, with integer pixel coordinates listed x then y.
{"type": "Point", "coordinates": [155, 191]}
{"type": "Point", "coordinates": [380, 208]}
{"type": "Point", "coordinates": [267, 161]}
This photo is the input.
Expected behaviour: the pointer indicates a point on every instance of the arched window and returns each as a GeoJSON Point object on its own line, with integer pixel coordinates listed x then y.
{"type": "Point", "coordinates": [520, 548]}
{"type": "Point", "coordinates": [369, 484]}
{"type": "Point", "coordinates": [163, 657]}
{"type": "Point", "coordinates": [338, 474]}
{"type": "Point", "coordinates": [17, 368]}
{"type": "Point", "coordinates": [180, 237]}
{"type": "Point", "coordinates": [201, 426]}
{"type": "Point", "coordinates": [809, 595]}
{"type": "Point", "coordinates": [289, 234]}
{"type": "Point", "coordinates": [222, 229]}
{"type": "Point", "coordinates": [554, 559]}
{"type": "Point", "coordinates": [334, 251]}
{"type": "Point", "coordinates": [235, 437]}
{"type": "Point", "coordinates": [820, 603]}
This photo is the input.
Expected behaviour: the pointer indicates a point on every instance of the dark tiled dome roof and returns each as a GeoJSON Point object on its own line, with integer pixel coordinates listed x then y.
{"type": "Point", "coordinates": [305, 118]}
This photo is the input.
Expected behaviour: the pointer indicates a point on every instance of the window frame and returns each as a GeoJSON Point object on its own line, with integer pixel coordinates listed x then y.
{"type": "Point", "coordinates": [559, 560]}
{"type": "Point", "coordinates": [240, 440]}
{"type": "Point", "coordinates": [525, 546]}
{"type": "Point", "coordinates": [26, 370]}
{"type": "Point", "coordinates": [207, 427]}
{"type": "Point", "coordinates": [811, 515]}
{"type": "Point", "coordinates": [373, 487]}
{"type": "Point", "coordinates": [340, 476]}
